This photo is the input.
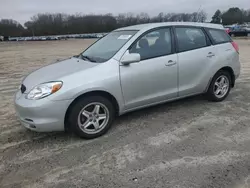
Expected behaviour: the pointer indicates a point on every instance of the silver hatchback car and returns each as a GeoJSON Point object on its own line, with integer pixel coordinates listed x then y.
{"type": "Point", "coordinates": [128, 69]}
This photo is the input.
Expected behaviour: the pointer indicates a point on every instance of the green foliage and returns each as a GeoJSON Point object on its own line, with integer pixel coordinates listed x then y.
{"type": "Point", "coordinates": [235, 15]}
{"type": "Point", "coordinates": [231, 16]}
{"type": "Point", "coordinates": [216, 17]}
{"type": "Point", "coordinates": [10, 27]}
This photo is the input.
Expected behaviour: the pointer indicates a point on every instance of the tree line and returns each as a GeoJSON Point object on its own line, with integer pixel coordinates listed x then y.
{"type": "Point", "coordinates": [60, 24]}
{"type": "Point", "coordinates": [231, 16]}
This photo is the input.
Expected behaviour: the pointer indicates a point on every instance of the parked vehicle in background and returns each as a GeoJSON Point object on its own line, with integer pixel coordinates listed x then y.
{"type": "Point", "coordinates": [13, 38]}
{"type": "Point", "coordinates": [129, 69]}
{"type": "Point", "coordinates": [63, 38]}
{"type": "Point", "coordinates": [22, 39]}
{"type": "Point", "coordinates": [28, 38]}
{"type": "Point", "coordinates": [1, 38]}
{"type": "Point", "coordinates": [247, 28]}
{"type": "Point", "coordinates": [52, 38]}
{"type": "Point", "coordinates": [239, 31]}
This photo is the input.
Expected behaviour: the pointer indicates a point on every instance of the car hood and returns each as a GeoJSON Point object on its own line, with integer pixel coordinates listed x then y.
{"type": "Point", "coordinates": [56, 71]}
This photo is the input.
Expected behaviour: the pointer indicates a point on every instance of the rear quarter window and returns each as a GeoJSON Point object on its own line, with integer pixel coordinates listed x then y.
{"type": "Point", "coordinates": [219, 36]}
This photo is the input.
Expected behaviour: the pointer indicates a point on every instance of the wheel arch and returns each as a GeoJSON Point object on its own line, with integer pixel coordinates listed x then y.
{"type": "Point", "coordinates": [229, 70]}
{"type": "Point", "coordinates": [105, 94]}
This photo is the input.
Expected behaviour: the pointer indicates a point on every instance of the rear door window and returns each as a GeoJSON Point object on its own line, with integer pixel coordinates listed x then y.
{"type": "Point", "coordinates": [189, 38]}
{"type": "Point", "coordinates": [219, 36]}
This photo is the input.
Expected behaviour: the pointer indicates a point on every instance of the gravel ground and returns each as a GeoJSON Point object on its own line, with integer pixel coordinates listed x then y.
{"type": "Point", "coordinates": [188, 143]}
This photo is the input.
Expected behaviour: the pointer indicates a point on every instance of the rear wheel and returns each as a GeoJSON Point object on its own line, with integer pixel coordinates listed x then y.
{"type": "Point", "coordinates": [219, 87]}
{"type": "Point", "coordinates": [91, 117]}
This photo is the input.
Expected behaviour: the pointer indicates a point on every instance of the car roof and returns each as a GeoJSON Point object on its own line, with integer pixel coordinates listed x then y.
{"type": "Point", "coordinates": [162, 24]}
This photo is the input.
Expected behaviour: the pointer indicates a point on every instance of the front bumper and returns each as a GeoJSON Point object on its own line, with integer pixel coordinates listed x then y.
{"type": "Point", "coordinates": [41, 115]}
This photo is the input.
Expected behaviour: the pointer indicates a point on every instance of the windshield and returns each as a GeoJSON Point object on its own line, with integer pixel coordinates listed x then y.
{"type": "Point", "coordinates": [107, 47]}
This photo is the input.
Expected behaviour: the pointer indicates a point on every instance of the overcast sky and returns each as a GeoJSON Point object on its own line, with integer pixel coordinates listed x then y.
{"type": "Point", "coordinates": [22, 10]}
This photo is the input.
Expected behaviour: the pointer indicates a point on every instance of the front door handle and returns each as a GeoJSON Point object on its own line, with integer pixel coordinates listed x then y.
{"type": "Point", "coordinates": [210, 54]}
{"type": "Point", "coordinates": [170, 63]}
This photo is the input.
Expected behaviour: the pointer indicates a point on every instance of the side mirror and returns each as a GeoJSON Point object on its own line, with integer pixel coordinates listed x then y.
{"type": "Point", "coordinates": [130, 58]}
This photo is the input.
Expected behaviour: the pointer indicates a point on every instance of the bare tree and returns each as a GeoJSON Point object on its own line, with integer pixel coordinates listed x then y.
{"type": "Point", "coordinates": [54, 24]}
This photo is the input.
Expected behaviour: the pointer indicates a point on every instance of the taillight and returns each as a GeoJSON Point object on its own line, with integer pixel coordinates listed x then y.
{"type": "Point", "coordinates": [236, 46]}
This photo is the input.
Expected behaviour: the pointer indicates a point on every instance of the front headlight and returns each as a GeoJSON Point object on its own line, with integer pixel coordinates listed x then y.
{"type": "Point", "coordinates": [44, 90]}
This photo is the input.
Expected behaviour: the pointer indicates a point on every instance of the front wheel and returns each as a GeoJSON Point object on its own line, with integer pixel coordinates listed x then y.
{"type": "Point", "coordinates": [91, 117]}
{"type": "Point", "coordinates": [219, 87]}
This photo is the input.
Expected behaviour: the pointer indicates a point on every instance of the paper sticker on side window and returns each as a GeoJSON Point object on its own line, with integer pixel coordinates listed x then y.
{"type": "Point", "coordinates": [124, 37]}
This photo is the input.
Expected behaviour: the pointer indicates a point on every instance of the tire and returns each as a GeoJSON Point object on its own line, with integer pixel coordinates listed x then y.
{"type": "Point", "coordinates": [82, 113]}
{"type": "Point", "coordinates": [211, 93]}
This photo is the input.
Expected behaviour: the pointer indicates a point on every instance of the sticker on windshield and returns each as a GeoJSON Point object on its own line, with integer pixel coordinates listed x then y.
{"type": "Point", "coordinates": [124, 37]}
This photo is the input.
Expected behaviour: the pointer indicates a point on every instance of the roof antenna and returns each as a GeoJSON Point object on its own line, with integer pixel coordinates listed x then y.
{"type": "Point", "coordinates": [199, 9]}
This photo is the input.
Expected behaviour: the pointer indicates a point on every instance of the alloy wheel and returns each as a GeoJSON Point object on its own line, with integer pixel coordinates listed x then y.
{"type": "Point", "coordinates": [221, 86]}
{"type": "Point", "coordinates": [93, 118]}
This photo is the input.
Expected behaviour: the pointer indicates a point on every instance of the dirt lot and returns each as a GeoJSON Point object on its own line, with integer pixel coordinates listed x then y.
{"type": "Point", "coordinates": [189, 143]}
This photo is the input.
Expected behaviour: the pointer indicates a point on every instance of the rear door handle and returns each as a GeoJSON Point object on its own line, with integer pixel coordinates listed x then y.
{"type": "Point", "coordinates": [170, 63]}
{"type": "Point", "coordinates": [210, 54]}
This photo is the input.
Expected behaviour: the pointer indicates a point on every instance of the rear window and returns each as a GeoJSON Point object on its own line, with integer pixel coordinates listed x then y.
{"type": "Point", "coordinates": [219, 36]}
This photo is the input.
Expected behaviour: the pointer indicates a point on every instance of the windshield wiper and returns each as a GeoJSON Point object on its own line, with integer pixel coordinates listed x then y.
{"type": "Point", "coordinates": [75, 56]}
{"type": "Point", "coordinates": [87, 58]}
